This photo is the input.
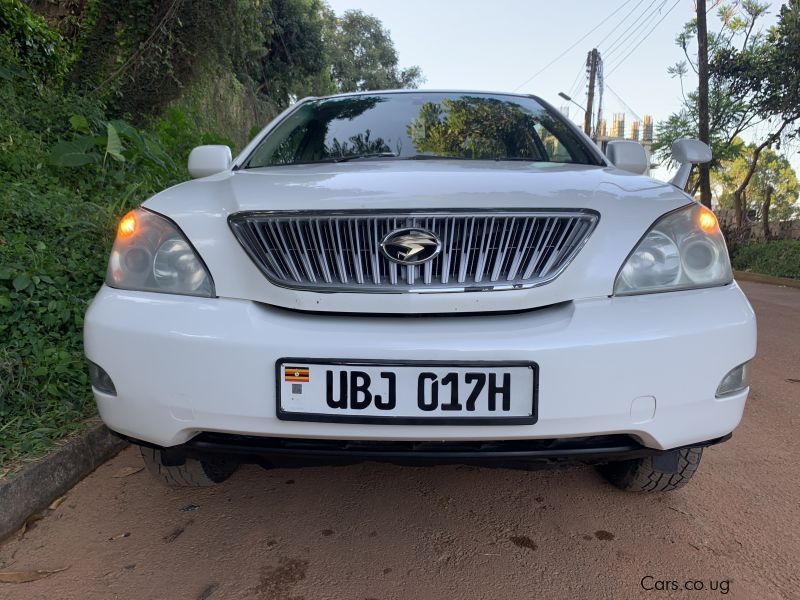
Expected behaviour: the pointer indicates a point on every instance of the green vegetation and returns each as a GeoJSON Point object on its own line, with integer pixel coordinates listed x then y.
{"type": "Point", "coordinates": [101, 105]}
{"type": "Point", "coordinates": [754, 92]}
{"type": "Point", "coordinates": [779, 258]}
{"type": "Point", "coordinates": [729, 114]}
{"type": "Point", "coordinates": [773, 189]}
{"type": "Point", "coordinates": [754, 88]}
{"type": "Point", "coordinates": [67, 175]}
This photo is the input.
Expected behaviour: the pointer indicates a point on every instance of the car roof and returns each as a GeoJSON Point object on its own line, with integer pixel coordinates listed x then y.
{"type": "Point", "coordinates": [420, 91]}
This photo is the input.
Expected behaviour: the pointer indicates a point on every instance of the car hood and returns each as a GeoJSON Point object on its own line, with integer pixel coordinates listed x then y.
{"type": "Point", "coordinates": [628, 204]}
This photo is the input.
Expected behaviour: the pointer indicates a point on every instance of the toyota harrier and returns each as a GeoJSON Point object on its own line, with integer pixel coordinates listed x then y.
{"type": "Point", "coordinates": [424, 277]}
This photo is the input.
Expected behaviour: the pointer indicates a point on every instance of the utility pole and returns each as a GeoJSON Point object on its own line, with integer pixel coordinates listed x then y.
{"type": "Point", "coordinates": [591, 64]}
{"type": "Point", "coordinates": [702, 100]}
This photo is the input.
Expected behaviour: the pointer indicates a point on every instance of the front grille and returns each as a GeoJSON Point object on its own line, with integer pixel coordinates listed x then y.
{"type": "Point", "coordinates": [334, 251]}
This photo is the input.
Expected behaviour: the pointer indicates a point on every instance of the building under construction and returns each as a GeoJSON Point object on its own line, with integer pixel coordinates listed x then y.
{"type": "Point", "coordinates": [639, 131]}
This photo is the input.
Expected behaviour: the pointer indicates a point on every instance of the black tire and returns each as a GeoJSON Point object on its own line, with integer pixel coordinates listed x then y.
{"type": "Point", "coordinates": [191, 473]}
{"type": "Point", "coordinates": [639, 475]}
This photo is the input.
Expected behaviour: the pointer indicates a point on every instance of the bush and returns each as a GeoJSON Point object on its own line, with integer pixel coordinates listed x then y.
{"type": "Point", "coordinates": [779, 258]}
{"type": "Point", "coordinates": [67, 174]}
{"type": "Point", "coordinates": [38, 48]}
{"type": "Point", "coordinates": [51, 255]}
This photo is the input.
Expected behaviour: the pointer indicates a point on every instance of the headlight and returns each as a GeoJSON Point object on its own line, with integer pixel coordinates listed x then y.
{"type": "Point", "coordinates": [683, 250]}
{"type": "Point", "coordinates": [151, 254]}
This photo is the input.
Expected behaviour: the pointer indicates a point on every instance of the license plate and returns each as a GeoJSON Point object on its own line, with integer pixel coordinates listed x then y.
{"type": "Point", "coordinates": [366, 391]}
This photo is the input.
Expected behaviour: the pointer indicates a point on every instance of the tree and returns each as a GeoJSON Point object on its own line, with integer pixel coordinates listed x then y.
{"type": "Point", "coordinates": [769, 78]}
{"type": "Point", "coordinates": [702, 99]}
{"type": "Point", "coordinates": [140, 55]}
{"type": "Point", "coordinates": [293, 58]}
{"type": "Point", "coordinates": [730, 111]}
{"type": "Point", "coordinates": [726, 123]}
{"type": "Point", "coordinates": [773, 185]}
{"type": "Point", "coordinates": [363, 56]}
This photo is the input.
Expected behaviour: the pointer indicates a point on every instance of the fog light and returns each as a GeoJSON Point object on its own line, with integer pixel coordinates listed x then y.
{"type": "Point", "coordinates": [101, 380]}
{"type": "Point", "coordinates": [735, 381]}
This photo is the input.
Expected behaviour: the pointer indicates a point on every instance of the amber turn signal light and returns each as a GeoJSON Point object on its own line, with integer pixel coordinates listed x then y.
{"type": "Point", "coordinates": [127, 226]}
{"type": "Point", "coordinates": [707, 221]}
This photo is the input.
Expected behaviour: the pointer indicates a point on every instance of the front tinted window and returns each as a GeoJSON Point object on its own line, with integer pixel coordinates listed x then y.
{"type": "Point", "coordinates": [421, 125]}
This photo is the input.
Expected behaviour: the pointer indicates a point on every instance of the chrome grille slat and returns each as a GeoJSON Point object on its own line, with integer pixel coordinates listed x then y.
{"type": "Point", "coordinates": [297, 239]}
{"type": "Point", "coordinates": [373, 251]}
{"type": "Point", "coordinates": [484, 250]}
{"type": "Point", "coordinates": [338, 251]}
{"type": "Point", "coordinates": [427, 268]}
{"type": "Point", "coordinates": [355, 241]}
{"type": "Point", "coordinates": [447, 251]}
{"type": "Point", "coordinates": [286, 252]}
{"type": "Point", "coordinates": [525, 236]}
{"type": "Point", "coordinates": [556, 250]}
{"type": "Point", "coordinates": [544, 239]}
{"type": "Point", "coordinates": [502, 248]}
{"type": "Point", "coordinates": [466, 245]}
{"type": "Point", "coordinates": [319, 250]}
{"type": "Point", "coordinates": [333, 251]}
{"type": "Point", "coordinates": [263, 250]}
{"type": "Point", "coordinates": [393, 268]}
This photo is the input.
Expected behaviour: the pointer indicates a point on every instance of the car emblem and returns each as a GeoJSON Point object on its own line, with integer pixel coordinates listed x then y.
{"type": "Point", "coordinates": [411, 246]}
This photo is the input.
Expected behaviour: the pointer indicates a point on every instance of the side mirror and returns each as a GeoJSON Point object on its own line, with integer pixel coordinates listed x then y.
{"type": "Point", "coordinates": [209, 160]}
{"type": "Point", "coordinates": [688, 152]}
{"type": "Point", "coordinates": [628, 156]}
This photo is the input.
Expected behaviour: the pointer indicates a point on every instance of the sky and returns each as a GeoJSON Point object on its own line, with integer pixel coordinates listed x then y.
{"type": "Point", "coordinates": [508, 45]}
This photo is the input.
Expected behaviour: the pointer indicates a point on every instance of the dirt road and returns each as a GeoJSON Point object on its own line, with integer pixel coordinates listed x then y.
{"type": "Point", "coordinates": [378, 531]}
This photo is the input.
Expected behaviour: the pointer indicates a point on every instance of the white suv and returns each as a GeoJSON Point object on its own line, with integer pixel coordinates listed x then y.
{"type": "Point", "coordinates": [423, 277]}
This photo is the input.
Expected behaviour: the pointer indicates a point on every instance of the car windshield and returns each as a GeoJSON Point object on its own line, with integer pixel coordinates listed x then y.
{"type": "Point", "coordinates": [421, 125]}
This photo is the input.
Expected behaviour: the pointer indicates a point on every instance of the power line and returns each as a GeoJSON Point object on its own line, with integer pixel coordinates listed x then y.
{"type": "Point", "coordinates": [625, 104]}
{"type": "Point", "coordinates": [634, 26]}
{"type": "Point", "coordinates": [640, 33]}
{"type": "Point", "coordinates": [623, 43]}
{"type": "Point", "coordinates": [630, 50]}
{"type": "Point", "coordinates": [617, 26]}
{"type": "Point", "coordinates": [580, 84]}
{"type": "Point", "coordinates": [619, 64]}
{"type": "Point", "coordinates": [581, 71]}
{"type": "Point", "coordinates": [560, 56]}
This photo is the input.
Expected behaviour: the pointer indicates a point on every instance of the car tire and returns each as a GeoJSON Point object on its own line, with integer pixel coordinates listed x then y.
{"type": "Point", "coordinates": [641, 475]}
{"type": "Point", "coordinates": [190, 473]}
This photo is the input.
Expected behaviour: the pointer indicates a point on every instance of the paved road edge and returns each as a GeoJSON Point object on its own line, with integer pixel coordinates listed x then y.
{"type": "Point", "coordinates": [34, 487]}
{"type": "Point", "coordinates": [769, 279]}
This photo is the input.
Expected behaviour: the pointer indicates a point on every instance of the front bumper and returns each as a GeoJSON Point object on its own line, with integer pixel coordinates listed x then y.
{"type": "Point", "coordinates": [642, 366]}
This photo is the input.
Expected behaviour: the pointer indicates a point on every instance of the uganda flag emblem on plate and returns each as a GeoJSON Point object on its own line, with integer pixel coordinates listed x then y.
{"type": "Point", "coordinates": [295, 374]}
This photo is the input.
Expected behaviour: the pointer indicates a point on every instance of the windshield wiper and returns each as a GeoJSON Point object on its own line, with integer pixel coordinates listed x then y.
{"type": "Point", "coordinates": [443, 157]}
{"type": "Point", "coordinates": [518, 158]}
{"type": "Point", "coordinates": [338, 159]}
{"type": "Point", "coordinates": [366, 156]}
{"type": "Point", "coordinates": [434, 157]}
